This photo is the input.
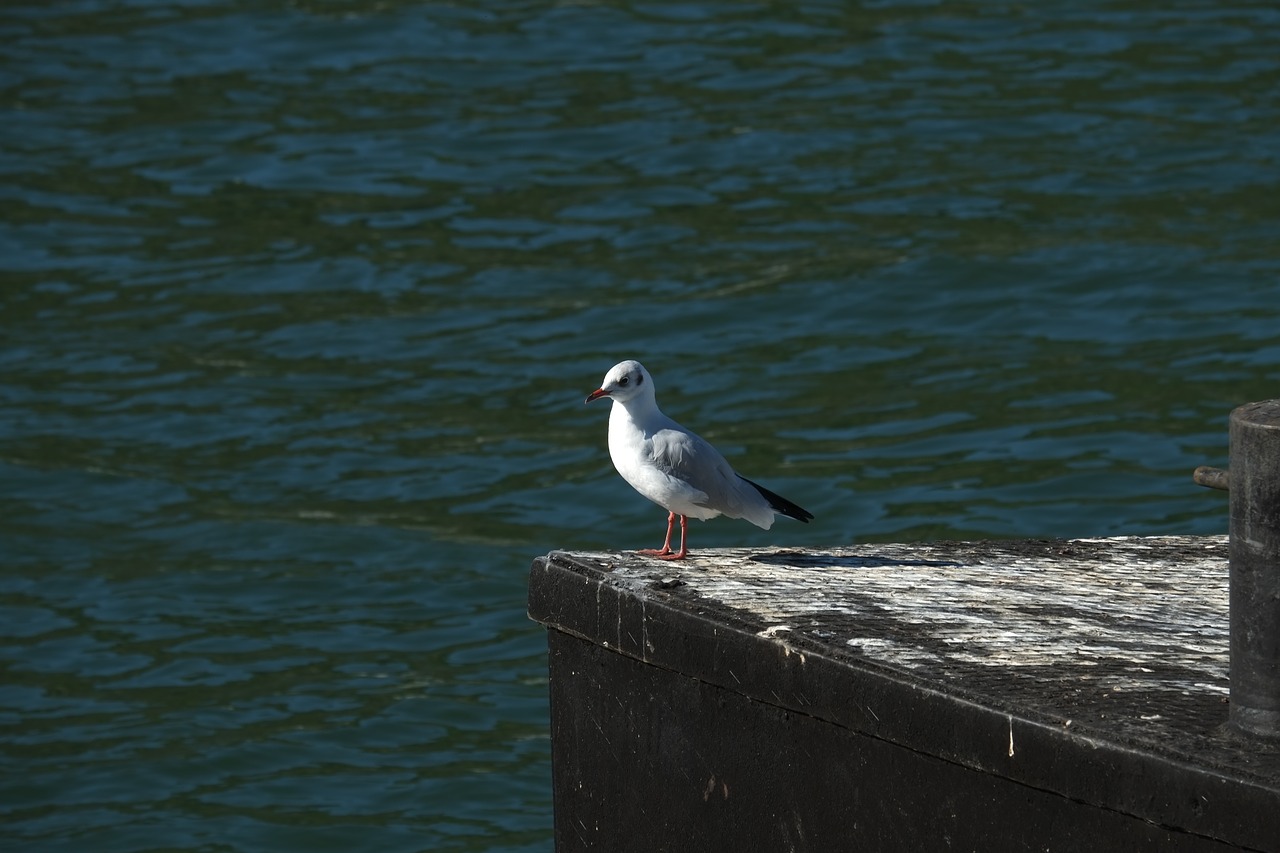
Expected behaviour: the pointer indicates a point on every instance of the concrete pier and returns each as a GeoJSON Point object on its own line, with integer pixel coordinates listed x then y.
{"type": "Point", "coordinates": [1002, 695]}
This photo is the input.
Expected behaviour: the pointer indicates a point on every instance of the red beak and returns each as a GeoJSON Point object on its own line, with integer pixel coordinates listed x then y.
{"type": "Point", "coordinates": [596, 395]}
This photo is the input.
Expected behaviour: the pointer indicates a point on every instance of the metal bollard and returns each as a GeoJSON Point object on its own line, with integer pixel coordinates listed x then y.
{"type": "Point", "coordinates": [1255, 568]}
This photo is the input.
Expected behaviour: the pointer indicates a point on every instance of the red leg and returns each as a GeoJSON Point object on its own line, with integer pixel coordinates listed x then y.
{"type": "Point", "coordinates": [684, 551]}
{"type": "Point", "coordinates": [666, 544]}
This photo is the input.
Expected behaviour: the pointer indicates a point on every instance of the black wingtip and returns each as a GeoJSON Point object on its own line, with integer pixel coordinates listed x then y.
{"type": "Point", "coordinates": [781, 504]}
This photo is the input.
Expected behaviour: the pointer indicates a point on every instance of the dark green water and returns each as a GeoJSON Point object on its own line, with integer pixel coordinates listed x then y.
{"type": "Point", "coordinates": [300, 301]}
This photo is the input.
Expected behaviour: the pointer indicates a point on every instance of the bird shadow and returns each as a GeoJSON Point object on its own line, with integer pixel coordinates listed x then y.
{"type": "Point", "coordinates": [811, 559]}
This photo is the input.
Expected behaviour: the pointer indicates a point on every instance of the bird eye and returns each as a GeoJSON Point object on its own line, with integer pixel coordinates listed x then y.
{"type": "Point", "coordinates": [624, 380]}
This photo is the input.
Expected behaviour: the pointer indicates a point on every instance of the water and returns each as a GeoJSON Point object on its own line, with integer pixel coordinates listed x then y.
{"type": "Point", "coordinates": [300, 302]}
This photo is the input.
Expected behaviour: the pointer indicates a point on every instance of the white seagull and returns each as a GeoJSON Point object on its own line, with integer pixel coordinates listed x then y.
{"type": "Point", "coordinates": [673, 467]}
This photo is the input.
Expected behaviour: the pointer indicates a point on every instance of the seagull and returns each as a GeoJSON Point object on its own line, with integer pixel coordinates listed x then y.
{"type": "Point", "coordinates": [673, 467]}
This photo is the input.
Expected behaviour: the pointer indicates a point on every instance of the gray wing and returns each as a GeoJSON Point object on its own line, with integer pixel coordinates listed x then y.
{"type": "Point", "coordinates": [691, 459]}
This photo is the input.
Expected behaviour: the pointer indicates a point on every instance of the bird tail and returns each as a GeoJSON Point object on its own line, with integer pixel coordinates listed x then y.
{"type": "Point", "coordinates": [780, 504]}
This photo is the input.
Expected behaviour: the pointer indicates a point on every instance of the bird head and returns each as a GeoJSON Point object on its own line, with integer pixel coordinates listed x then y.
{"type": "Point", "coordinates": [625, 381]}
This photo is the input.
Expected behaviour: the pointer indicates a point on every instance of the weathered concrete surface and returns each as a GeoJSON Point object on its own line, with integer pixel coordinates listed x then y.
{"type": "Point", "coordinates": [1095, 669]}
